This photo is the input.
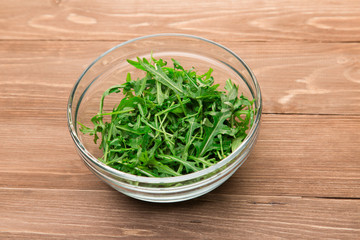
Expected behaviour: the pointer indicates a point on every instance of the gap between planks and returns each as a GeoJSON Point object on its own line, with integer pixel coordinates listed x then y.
{"type": "Point", "coordinates": [333, 198]}
{"type": "Point", "coordinates": [243, 195]}
{"type": "Point", "coordinates": [312, 114]}
{"type": "Point", "coordinates": [305, 41]}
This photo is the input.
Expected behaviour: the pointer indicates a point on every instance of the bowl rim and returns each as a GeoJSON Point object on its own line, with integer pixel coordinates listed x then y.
{"type": "Point", "coordinates": [164, 180]}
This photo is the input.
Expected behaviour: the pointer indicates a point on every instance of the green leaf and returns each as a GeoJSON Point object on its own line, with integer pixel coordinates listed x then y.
{"type": "Point", "coordinates": [171, 122]}
{"type": "Point", "coordinates": [139, 131]}
{"type": "Point", "coordinates": [211, 133]}
{"type": "Point", "coordinates": [128, 78]}
{"type": "Point", "coordinates": [136, 64]}
{"type": "Point", "coordinates": [130, 103]}
{"type": "Point", "coordinates": [164, 168]}
{"type": "Point", "coordinates": [188, 165]}
{"type": "Point", "coordinates": [232, 92]}
{"type": "Point", "coordinates": [140, 86]}
{"type": "Point", "coordinates": [160, 76]}
{"type": "Point", "coordinates": [160, 96]}
{"type": "Point", "coordinates": [177, 64]}
{"type": "Point", "coordinates": [113, 89]}
{"type": "Point", "coordinates": [236, 143]}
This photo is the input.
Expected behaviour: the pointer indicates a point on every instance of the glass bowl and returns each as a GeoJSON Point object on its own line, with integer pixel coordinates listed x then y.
{"type": "Point", "coordinates": [111, 68]}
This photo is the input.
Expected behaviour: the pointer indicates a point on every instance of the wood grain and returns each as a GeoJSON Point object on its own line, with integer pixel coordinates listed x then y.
{"type": "Point", "coordinates": [302, 181]}
{"type": "Point", "coordinates": [320, 21]}
{"type": "Point", "coordinates": [76, 214]}
{"type": "Point", "coordinates": [295, 78]}
{"type": "Point", "coordinates": [315, 156]}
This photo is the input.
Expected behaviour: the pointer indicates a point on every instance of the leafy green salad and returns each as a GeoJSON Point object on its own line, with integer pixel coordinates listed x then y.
{"type": "Point", "coordinates": [171, 122]}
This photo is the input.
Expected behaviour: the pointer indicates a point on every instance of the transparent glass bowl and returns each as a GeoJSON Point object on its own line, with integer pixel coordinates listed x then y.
{"type": "Point", "coordinates": [111, 68]}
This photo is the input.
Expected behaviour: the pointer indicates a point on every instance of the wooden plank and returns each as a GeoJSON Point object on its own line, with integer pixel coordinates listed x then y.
{"type": "Point", "coordinates": [301, 182]}
{"type": "Point", "coordinates": [306, 155]}
{"type": "Point", "coordinates": [64, 214]}
{"type": "Point", "coordinates": [295, 78]}
{"type": "Point", "coordinates": [318, 21]}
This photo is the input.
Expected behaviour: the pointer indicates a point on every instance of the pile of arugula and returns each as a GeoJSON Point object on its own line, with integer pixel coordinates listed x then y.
{"type": "Point", "coordinates": [170, 122]}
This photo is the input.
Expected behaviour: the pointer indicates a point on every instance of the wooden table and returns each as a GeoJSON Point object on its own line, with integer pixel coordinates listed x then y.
{"type": "Point", "coordinates": [301, 182]}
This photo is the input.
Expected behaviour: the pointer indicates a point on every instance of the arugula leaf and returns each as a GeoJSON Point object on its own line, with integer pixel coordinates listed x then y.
{"type": "Point", "coordinates": [212, 132]}
{"type": "Point", "coordinates": [140, 86]}
{"type": "Point", "coordinates": [160, 76]}
{"type": "Point", "coordinates": [170, 122]}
